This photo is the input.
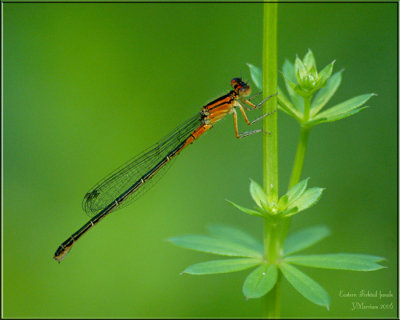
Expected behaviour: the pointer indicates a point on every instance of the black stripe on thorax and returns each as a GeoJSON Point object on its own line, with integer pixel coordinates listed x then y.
{"type": "Point", "coordinates": [230, 94]}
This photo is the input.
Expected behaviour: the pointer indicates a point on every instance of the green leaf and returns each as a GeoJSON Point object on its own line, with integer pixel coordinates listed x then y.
{"type": "Point", "coordinates": [235, 235]}
{"type": "Point", "coordinates": [258, 194]}
{"type": "Point", "coordinates": [307, 199]}
{"type": "Point", "coordinates": [324, 74]}
{"type": "Point", "coordinates": [286, 106]}
{"type": "Point", "coordinates": [256, 75]}
{"type": "Point", "coordinates": [294, 90]}
{"type": "Point", "coordinates": [289, 212]}
{"type": "Point", "coordinates": [345, 109]}
{"type": "Point", "coordinates": [346, 115]}
{"type": "Point", "coordinates": [246, 210]}
{"type": "Point", "coordinates": [309, 60]}
{"type": "Point", "coordinates": [338, 116]}
{"type": "Point", "coordinates": [306, 286]}
{"type": "Point", "coordinates": [344, 261]}
{"type": "Point", "coordinates": [221, 266]}
{"type": "Point", "coordinates": [314, 122]}
{"type": "Point", "coordinates": [304, 238]}
{"type": "Point", "coordinates": [260, 281]}
{"type": "Point", "coordinates": [214, 245]}
{"type": "Point", "coordinates": [313, 77]}
{"type": "Point", "coordinates": [283, 202]}
{"type": "Point", "coordinates": [299, 70]}
{"type": "Point", "coordinates": [325, 94]}
{"type": "Point", "coordinates": [295, 192]}
{"type": "Point", "coordinates": [288, 73]}
{"type": "Point", "coordinates": [288, 70]}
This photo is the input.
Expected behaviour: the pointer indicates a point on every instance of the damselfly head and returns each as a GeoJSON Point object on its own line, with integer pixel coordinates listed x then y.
{"type": "Point", "coordinates": [241, 87]}
{"type": "Point", "coordinates": [235, 82]}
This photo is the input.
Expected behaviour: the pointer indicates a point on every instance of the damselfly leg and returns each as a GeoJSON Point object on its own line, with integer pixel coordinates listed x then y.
{"type": "Point", "coordinates": [256, 106]}
{"type": "Point", "coordinates": [253, 107]}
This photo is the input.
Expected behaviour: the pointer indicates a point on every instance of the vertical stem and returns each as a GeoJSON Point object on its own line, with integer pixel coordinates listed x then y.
{"type": "Point", "coordinates": [301, 147]}
{"type": "Point", "coordinates": [272, 252]}
{"type": "Point", "coordinates": [307, 105]}
{"type": "Point", "coordinates": [270, 123]}
{"type": "Point", "coordinates": [274, 311]}
{"type": "Point", "coordinates": [272, 245]}
{"type": "Point", "coordinates": [298, 161]}
{"type": "Point", "coordinates": [300, 155]}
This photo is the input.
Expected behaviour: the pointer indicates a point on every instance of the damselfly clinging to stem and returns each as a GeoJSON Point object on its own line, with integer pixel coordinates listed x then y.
{"type": "Point", "coordinates": [136, 176]}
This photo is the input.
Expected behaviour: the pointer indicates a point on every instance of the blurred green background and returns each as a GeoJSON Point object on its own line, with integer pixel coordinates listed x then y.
{"type": "Point", "coordinates": [88, 86]}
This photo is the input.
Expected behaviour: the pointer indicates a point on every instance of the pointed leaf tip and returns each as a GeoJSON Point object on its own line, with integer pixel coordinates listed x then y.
{"type": "Point", "coordinates": [309, 58]}
{"type": "Point", "coordinates": [345, 109]}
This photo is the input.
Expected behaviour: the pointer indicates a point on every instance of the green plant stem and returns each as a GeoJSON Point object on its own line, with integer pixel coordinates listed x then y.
{"type": "Point", "coordinates": [302, 146]}
{"type": "Point", "coordinates": [272, 245]}
{"type": "Point", "coordinates": [299, 160]}
{"type": "Point", "coordinates": [270, 123]}
{"type": "Point", "coordinates": [300, 155]}
{"type": "Point", "coordinates": [274, 300]}
{"type": "Point", "coordinates": [307, 106]}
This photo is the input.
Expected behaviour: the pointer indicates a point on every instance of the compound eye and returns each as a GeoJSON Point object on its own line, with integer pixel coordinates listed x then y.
{"type": "Point", "coordinates": [245, 91]}
{"type": "Point", "coordinates": [235, 81]}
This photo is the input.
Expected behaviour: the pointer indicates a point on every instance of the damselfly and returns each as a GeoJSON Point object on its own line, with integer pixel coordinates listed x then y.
{"type": "Point", "coordinates": [129, 181]}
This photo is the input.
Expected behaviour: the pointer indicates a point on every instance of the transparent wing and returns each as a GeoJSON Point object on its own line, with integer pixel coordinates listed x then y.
{"type": "Point", "coordinates": [119, 181]}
